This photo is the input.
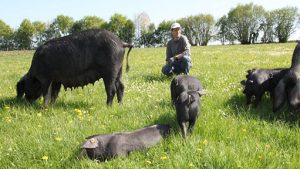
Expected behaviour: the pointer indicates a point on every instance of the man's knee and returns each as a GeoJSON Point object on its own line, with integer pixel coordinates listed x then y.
{"type": "Point", "coordinates": [167, 70]}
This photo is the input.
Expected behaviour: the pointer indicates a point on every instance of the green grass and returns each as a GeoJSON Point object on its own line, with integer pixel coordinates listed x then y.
{"type": "Point", "coordinates": [228, 134]}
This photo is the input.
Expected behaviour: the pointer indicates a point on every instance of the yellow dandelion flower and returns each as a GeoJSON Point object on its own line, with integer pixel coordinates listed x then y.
{"type": "Point", "coordinates": [45, 158]}
{"type": "Point", "coordinates": [199, 149]}
{"type": "Point", "coordinates": [205, 142]}
{"type": "Point", "coordinates": [77, 111]}
{"type": "Point", "coordinates": [244, 130]}
{"type": "Point", "coordinates": [191, 165]}
{"type": "Point", "coordinates": [39, 114]}
{"type": "Point", "coordinates": [163, 157]}
{"type": "Point", "coordinates": [8, 119]}
{"type": "Point", "coordinates": [148, 161]}
{"type": "Point", "coordinates": [58, 138]}
{"type": "Point", "coordinates": [80, 118]}
{"type": "Point", "coordinates": [7, 107]}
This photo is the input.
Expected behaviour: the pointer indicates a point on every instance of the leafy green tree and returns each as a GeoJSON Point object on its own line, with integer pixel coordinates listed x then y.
{"type": "Point", "coordinates": [203, 27]}
{"type": "Point", "coordinates": [162, 33]}
{"type": "Point", "coordinates": [188, 30]}
{"type": "Point", "coordinates": [40, 28]}
{"type": "Point", "coordinates": [285, 22]}
{"type": "Point", "coordinates": [6, 34]}
{"type": "Point", "coordinates": [88, 22]}
{"type": "Point", "coordinates": [24, 35]}
{"type": "Point", "coordinates": [268, 28]}
{"type": "Point", "coordinates": [223, 29]}
{"type": "Point", "coordinates": [147, 37]}
{"type": "Point", "coordinates": [51, 31]}
{"type": "Point", "coordinates": [63, 24]}
{"type": "Point", "coordinates": [244, 21]}
{"type": "Point", "coordinates": [224, 33]}
{"type": "Point", "coordinates": [122, 27]}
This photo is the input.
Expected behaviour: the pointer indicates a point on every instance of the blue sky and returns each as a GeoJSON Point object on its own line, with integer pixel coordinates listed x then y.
{"type": "Point", "coordinates": [12, 12]}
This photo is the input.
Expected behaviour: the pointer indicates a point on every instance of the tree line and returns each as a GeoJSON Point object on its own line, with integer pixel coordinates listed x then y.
{"type": "Point", "coordinates": [245, 23]}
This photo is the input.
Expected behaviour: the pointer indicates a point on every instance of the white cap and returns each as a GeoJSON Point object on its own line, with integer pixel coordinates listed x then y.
{"type": "Point", "coordinates": [175, 25]}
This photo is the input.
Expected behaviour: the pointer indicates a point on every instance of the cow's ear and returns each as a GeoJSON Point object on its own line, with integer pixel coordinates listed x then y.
{"type": "Point", "coordinates": [243, 82]}
{"type": "Point", "coordinates": [279, 95]}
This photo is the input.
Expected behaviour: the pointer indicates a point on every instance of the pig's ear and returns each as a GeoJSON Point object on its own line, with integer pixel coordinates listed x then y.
{"type": "Point", "coordinates": [279, 95]}
{"type": "Point", "coordinates": [243, 82]}
{"type": "Point", "coordinates": [202, 92]}
{"type": "Point", "coordinates": [91, 143]}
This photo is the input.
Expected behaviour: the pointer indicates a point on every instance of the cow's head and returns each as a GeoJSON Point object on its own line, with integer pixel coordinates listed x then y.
{"type": "Point", "coordinates": [21, 86]}
{"type": "Point", "coordinates": [29, 86]}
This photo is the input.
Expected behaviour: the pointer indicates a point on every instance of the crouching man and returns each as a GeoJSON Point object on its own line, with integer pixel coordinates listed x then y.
{"type": "Point", "coordinates": [178, 55]}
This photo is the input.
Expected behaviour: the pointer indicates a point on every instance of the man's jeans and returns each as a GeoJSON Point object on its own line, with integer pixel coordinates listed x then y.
{"type": "Point", "coordinates": [182, 65]}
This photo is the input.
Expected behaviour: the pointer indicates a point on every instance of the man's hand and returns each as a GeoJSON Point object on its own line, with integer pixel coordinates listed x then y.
{"type": "Point", "coordinates": [172, 59]}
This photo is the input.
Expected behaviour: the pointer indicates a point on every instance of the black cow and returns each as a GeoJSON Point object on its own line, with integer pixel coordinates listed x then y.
{"type": "Point", "coordinates": [288, 87]}
{"type": "Point", "coordinates": [73, 61]}
{"type": "Point", "coordinates": [187, 110]}
{"type": "Point", "coordinates": [106, 146]}
{"type": "Point", "coordinates": [259, 81]}
{"type": "Point", "coordinates": [184, 83]}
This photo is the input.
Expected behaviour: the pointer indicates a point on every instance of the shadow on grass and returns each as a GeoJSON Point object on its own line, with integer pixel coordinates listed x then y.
{"type": "Point", "coordinates": [74, 158]}
{"type": "Point", "coordinates": [157, 78]}
{"type": "Point", "coordinates": [14, 102]}
{"type": "Point", "coordinates": [168, 117]}
{"type": "Point", "coordinates": [17, 102]}
{"type": "Point", "coordinates": [263, 111]}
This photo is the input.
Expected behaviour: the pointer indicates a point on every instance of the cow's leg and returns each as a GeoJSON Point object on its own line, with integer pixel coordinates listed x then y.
{"type": "Point", "coordinates": [55, 90]}
{"type": "Point", "coordinates": [119, 87]}
{"type": "Point", "coordinates": [47, 91]}
{"type": "Point", "coordinates": [110, 89]}
{"type": "Point", "coordinates": [120, 90]}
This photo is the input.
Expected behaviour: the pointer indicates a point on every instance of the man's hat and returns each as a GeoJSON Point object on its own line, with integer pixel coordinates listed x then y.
{"type": "Point", "coordinates": [175, 25]}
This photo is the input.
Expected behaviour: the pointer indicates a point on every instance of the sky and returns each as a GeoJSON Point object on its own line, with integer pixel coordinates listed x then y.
{"type": "Point", "coordinates": [13, 12]}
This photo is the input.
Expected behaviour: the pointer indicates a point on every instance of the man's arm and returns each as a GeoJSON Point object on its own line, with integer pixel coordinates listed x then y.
{"type": "Point", "coordinates": [168, 52]}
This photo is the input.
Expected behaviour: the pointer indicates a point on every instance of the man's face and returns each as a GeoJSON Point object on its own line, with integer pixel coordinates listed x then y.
{"type": "Point", "coordinates": [176, 32]}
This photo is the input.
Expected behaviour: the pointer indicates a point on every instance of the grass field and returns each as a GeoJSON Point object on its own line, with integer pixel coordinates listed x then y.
{"type": "Point", "coordinates": [228, 134]}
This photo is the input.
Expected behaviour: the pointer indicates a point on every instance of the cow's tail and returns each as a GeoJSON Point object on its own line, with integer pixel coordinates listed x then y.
{"type": "Point", "coordinates": [130, 46]}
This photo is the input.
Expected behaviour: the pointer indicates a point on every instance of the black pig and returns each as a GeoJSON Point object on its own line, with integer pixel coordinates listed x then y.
{"type": "Point", "coordinates": [260, 81]}
{"type": "Point", "coordinates": [187, 110]}
{"type": "Point", "coordinates": [106, 146]}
